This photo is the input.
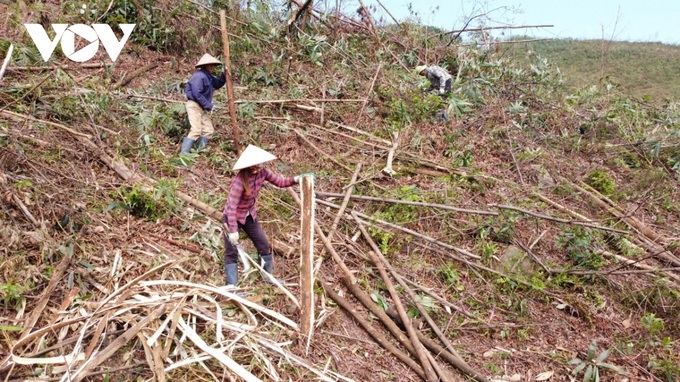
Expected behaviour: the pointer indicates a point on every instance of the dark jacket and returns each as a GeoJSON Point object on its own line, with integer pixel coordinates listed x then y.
{"type": "Point", "coordinates": [200, 87]}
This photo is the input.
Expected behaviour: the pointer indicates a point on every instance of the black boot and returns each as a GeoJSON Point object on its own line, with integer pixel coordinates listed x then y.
{"type": "Point", "coordinates": [267, 263]}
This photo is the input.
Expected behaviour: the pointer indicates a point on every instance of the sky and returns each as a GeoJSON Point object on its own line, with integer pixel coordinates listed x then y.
{"type": "Point", "coordinates": [619, 20]}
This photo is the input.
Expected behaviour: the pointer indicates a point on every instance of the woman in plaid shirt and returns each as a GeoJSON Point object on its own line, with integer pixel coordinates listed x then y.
{"type": "Point", "coordinates": [240, 212]}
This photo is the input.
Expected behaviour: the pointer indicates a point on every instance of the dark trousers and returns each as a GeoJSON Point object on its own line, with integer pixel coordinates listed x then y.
{"type": "Point", "coordinates": [447, 86]}
{"type": "Point", "coordinates": [253, 229]}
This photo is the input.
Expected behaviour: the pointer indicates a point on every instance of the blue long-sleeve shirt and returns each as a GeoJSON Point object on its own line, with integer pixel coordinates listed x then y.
{"type": "Point", "coordinates": [200, 87]}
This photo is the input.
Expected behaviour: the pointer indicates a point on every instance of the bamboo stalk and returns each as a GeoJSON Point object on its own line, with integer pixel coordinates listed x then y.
{"type": "Point", "coordinates": [307, 258]}
{"type": "Point", "coordinates": [459, 363]}
{"type": "Point", "coordinates": [409, 231]}
{"type": "Point", "coordinates": [559, 220]}
{"type": "Point", "coordinates": [370, 90]}
{"type": "Point", "coordinates": [452, 359]}
{"type": "Point", "coordinates": [8, 113]}
{"type": "Point", "coordinates": [390, 14]}
{"type": "Point", "coordinates": [405, 202]}
{"type": "Point", "coordinates": [389, 324]}
{"type": "Point", "coordinates": [322, 152]}
{"type": "Point", "coordinates": [345, 201]}
{"type": "Point", "coordinates": [53, 67]}
{"type": "Point", "coordinates": [27, 93]}
{"type": "Point", "coordinates": [379, 261]}
{"type": "Point", "coordinates": [327, 244]}
{"type": "Point", "coordinates": [230, 85]}
{"type": "Point", "coordinates": [368, 327]}
{"type": "Point", "coordinates": [633, 223]}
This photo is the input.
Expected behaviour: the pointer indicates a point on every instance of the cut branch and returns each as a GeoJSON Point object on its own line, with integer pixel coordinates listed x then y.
{"type": "Point", "coordinates": [136, 74]}
{"type": "Point", "coordinates": [488, 28]}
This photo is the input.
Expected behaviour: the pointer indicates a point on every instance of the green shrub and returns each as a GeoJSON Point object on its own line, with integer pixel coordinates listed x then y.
{"type": "Point", "coordinates": [150, 204]}
{"type": "Point", "coordinates": [582, 247]}
{"type": "Point", "coordinates": [602, 182]}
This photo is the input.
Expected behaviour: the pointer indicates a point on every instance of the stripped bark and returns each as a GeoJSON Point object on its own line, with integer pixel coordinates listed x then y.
{"type": "Point", "coordinates": [390, 155]}
{"type": "Point", "coordinates": [119, 342]}
{"type": "Point", "coordinates": [45, 297]}
{"type": "Point", "coordinates": [327, 244]}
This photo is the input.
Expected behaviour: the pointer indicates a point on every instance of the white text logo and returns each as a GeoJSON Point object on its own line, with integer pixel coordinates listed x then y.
{"type": "Point", "coordinates": [67, 35]}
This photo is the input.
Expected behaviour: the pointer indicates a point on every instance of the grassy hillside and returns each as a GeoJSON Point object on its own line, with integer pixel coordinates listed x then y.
{"type": "Point", "coordinates": [649, 71]}
{"type": "Point", "coordinates": [534, 235]}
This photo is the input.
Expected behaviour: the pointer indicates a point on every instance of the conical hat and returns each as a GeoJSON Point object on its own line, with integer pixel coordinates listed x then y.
{"type": "Point", "coordinates": [208, 60]}
{"type": "Point", "coordinates": [252, 156]}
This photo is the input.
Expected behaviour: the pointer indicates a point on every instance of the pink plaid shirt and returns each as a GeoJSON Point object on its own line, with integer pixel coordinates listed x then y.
{"type": "Point", "coordinates": [239, 204]}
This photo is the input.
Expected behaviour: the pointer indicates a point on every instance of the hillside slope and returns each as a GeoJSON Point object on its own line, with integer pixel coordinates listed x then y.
{"type": "Point", "coordinates": [535, 226]}
{"type": "Point", "coordinates": [643, 70]}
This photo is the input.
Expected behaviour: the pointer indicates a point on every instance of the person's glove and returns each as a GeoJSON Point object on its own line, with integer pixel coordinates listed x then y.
{"type": "Point", "coordinates": [441, 91]}
{"type": "Point", "coordinates": [297, 178]}
{"type": "Point", "coordinates": [233, 238]}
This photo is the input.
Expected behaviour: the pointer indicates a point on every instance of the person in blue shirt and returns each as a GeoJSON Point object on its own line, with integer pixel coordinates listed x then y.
{"type": "Point", "coordinates": [199, 92]}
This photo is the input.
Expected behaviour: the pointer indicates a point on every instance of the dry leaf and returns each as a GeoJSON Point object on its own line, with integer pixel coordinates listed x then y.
{"type": "Point", "coordinates": [544, 376]}
{"type": "Point", "coordinates": [489, 353]}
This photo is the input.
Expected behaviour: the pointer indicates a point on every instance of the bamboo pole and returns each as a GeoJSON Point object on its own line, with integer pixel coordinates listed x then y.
{"type": "Point", "coordinates": [378, 260]}
{"type": "Point", "coordinates": [407, 202]}
{"type": "Point", "coordinates": [373, 221]}
{"type": "Point", "coordinates": [230, 85]}
{"type": "Point", "coordinates": [368, 327]}
{"type": "Point", "coordinates": [307, 258]}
